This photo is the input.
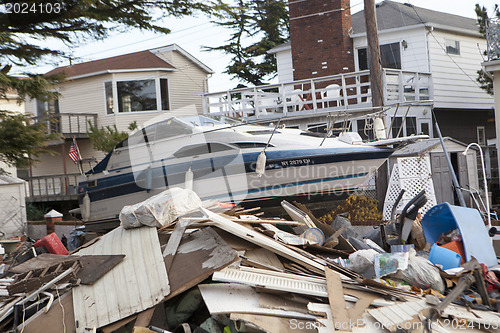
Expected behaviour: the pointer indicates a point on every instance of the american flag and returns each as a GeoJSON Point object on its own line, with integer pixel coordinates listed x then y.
{"type": "Point", "coordinates": [74, 153]}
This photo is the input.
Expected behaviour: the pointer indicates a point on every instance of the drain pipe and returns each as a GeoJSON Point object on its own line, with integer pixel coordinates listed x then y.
{"type": "Point", "coordinates": [454, 179]}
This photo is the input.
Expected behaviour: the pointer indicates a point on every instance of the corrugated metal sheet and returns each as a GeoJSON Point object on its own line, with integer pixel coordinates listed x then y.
{"type": "Point", "coordinates": [137, 283]}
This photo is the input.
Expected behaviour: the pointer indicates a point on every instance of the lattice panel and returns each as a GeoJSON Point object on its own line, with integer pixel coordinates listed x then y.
{"type": "Point", "coordinates": [11, 218]}
{"type": "Point", "coordinates": [414, 175]}
{"type": "Point", "coordinates": [392, 192]}
{"type": "Point", "coordinates": [368, 189]}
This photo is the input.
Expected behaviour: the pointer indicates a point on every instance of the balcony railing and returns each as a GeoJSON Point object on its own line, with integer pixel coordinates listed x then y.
{"type": "Point", "coordinates": [69, 124]}
{"type": "Point", "coordinates": [325, 94]}
{"type": "Point", "coordinates": [493, 39]}
{"type": "Point", "coordinates": [52, 188]}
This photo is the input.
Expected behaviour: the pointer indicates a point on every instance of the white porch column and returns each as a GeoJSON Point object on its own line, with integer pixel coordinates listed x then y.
{"type": "Point", "coordinates": [493, 67]}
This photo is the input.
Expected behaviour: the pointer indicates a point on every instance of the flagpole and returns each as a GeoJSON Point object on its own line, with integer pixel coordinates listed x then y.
{"type": "Point", "coordinates": [80, 167]}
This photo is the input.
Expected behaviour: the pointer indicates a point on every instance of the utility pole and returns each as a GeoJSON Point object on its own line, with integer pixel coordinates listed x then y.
{"type": "Point", "coordinates": [375, 65]}
{"type": "Point", "coordinates": [374, 61]}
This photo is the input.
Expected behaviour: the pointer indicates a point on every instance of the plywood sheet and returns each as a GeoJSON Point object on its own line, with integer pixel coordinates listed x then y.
{"type": "Point", "coordinates": [336, 298]}
{"type": "Point", "coordinates": [199, 255]}
{"type": "Point", "coordinates": [59, 318]}
{"type": "Point", "coordinates": [137, 283]}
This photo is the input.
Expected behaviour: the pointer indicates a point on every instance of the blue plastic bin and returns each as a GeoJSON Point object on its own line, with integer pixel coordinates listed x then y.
{"type": "Point", "coordinates": [444, 257]}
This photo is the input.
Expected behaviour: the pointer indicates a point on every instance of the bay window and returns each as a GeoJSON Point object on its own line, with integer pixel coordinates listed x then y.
{"type": "Point", "coordinates": [124, 96]}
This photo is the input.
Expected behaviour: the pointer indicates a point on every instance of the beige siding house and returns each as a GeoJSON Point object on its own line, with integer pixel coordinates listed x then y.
{"type": "Point", "coordinates": [137, 87]}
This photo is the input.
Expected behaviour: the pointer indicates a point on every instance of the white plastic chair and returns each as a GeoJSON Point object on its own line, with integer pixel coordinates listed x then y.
{"type": "Point", "coordinates": [332, 94]}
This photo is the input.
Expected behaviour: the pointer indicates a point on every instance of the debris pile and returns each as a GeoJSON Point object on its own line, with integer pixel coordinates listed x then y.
{"type": "Point", "coordinates": [215, 269]}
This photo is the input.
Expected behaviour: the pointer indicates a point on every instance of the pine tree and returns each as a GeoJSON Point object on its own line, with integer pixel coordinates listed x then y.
{"type": "Point", "coordinates": [28, 25]}
{"type": "Point", "coordinates": [485, 80]}
{"type": "Point", "coordinates": [265, 23]}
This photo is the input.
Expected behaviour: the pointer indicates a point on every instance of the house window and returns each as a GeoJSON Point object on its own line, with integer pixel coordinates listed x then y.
{"type": "Point", "coordinates": [390, 55]}
{"type": "Point", "coordinates": [365, 128]}
{"type": "Point", "coordinates": [481, 136]}
{"type": "Point", "coordinates": [452, 46]}
{"type": "Point", "coordinates": [424, 128]}
{"type": "Point", "coordinates": [411, 125]}
{"type": "Point", "coordinates": [396, 125]}
{"type": "Point", "coordinates": [165, 103]}
{"type": "Point", "coordinates": [44, 108]}
{"type": "Point", "coordinates": [108, 87]}
{"type": "Point", "coordinates": [137, 95]}
{"type": "Point", "coordinates": [49, 113]}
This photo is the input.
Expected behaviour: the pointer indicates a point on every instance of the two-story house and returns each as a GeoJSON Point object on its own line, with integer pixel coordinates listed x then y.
{"type": "Point", "coordinates": [412, 39]}
{"type": "Point", "coordinates": [430, 61]}
{"type": "Point", "coordinates": [136, 87]}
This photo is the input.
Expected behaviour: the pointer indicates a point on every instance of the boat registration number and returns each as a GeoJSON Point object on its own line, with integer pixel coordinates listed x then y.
{"type": "Point", "coordinates": [300, 161]}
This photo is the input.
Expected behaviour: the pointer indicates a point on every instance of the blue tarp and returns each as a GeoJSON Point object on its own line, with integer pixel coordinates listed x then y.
{"type": "Point", "coordinates": [444, 217]}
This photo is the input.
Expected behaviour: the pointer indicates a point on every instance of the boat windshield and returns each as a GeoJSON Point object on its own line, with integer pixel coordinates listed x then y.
{"type": "Point", "coordinates": [208, 120]}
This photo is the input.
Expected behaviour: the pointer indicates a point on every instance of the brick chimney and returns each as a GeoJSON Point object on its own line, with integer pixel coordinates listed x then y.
{"type": "Point", "coordinates": [319, 35]}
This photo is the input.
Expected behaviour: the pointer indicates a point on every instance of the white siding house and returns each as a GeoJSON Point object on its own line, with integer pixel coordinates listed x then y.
{"type": "Point", "coordinates": [448, 47]}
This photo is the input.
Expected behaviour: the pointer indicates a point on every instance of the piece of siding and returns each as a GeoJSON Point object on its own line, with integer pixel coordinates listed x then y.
{"type": "Point", "coordinates": [137, 283]}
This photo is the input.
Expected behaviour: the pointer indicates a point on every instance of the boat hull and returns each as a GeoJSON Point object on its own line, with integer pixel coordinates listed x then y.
{"type": "Point", "coordinates": [305, 174]}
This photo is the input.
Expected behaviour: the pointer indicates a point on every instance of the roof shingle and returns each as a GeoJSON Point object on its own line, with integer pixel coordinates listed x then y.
{"type": "Point", "coordinates": [136, 60]}
{"type": "Point", "coordinates": [392, 14]}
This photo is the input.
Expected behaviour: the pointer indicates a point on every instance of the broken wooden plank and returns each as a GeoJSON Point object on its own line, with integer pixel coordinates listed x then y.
{"type": "Point", "coordinates": [264, 241]}
{"type": "Point", "coordinates": [144, 318]}
{"type": "Point", "coordinates": [264, 257]}
{"type": "Point", "coordinates": [199, 255]}
{"type": "Point", "coordinates": [365, 299]}
{"type": "Point", "coordinates": [336, 299]}
{"type": "Point", "coordinates": [400, 315]}
{"type": "Point", "coordinates": [276, 324]}
{"type": "Point", "coordinates": [94, 267]}
{"type": "Point", "coordinates": [174, 241]}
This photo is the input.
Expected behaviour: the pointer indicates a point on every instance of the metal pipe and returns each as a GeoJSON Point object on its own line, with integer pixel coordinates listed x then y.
{"type": "Point", "coordinates": [454, 179]}
{"type": "Point", "coordinates": [486, 194]}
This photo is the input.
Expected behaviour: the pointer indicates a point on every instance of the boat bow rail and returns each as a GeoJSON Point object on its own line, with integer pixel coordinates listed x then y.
{"type": "Point", "coordinates": [348, 91]}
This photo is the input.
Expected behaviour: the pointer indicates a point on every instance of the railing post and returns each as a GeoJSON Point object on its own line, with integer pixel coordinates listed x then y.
{"type": "Point", "coordinates": [283, 98]}
{"type": "Point", "coordinates": [357, 79]}
{"type": "Point", "coordinates": [401, 95]}
{"type": "Point", "coordinates": [313, 96]}
{"type": "Point", "coordinates": [344, 91]}
{"type": "Point", "coordinates": [229, 109]}
{"type": "Point", "coordinates": [384, 86]}
{"type": "Point", "coordinates": [256, 103]}
{"type": "Point", "coordinates": [417, 87]}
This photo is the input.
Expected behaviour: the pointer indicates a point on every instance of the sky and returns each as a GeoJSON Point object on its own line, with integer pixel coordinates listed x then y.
{"type": "Point", "coordinates": [193, 33]}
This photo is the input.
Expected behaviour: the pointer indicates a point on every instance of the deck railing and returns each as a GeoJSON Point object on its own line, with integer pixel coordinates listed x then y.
{"type": "Point", "coordinates": [69, 124]}
{"type": "Point", "coordinates": [325, 94]}
{"type": "Point", "coordinates": [51, 188]}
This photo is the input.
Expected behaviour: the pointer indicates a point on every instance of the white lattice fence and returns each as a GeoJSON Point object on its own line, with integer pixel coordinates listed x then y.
{"type": "Point", "coordinates": [12, 216]}
{"type": "Point", "coordinates": [413, 174]}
